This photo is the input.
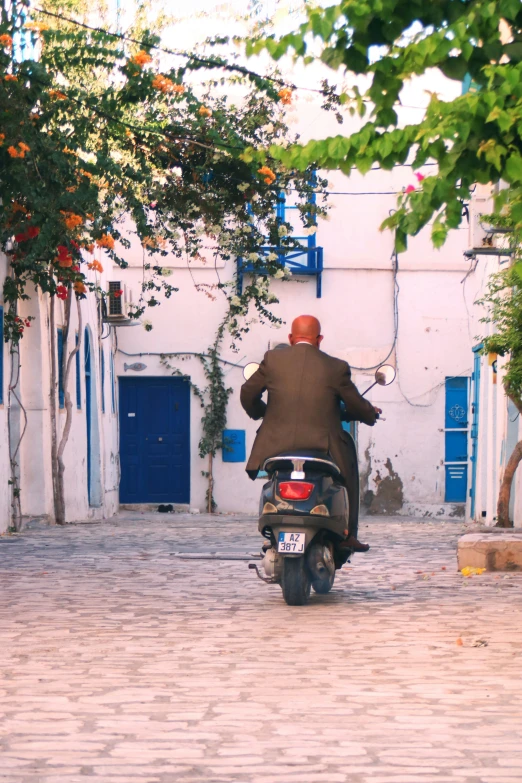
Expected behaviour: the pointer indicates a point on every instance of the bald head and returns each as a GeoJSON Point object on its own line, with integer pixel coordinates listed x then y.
{"type": "Point", "coordinates": [306, 328]}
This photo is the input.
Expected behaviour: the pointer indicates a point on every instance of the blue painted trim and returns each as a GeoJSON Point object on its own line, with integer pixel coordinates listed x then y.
{"type": "Point", "coordinates": [113, 386]}
{"type": "Point", "coordinates": [88, 403]}
{"type": "Point", "coordinates": [78, 379]}
{"type": "Point", "coordinates": [1, 355]}
{"type": "Point", "coordinates": [102, 371]}
{"type": "Point", "coordinates": [61, 393]}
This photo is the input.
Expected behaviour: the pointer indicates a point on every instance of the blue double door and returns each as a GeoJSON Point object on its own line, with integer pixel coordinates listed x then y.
{"type": "Point", "coordinates": [154, 440]}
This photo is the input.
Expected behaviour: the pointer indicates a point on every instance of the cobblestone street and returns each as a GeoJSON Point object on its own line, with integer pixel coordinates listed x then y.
{"type": "Point", "coordinates": [121, 662]}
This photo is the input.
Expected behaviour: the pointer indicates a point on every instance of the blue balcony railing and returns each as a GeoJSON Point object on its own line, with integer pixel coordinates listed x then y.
{"type": "Point", "coordinates": [304, 262]}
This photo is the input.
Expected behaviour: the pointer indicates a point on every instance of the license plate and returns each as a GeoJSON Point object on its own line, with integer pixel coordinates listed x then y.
{"type": "Point", "coordinates": [292, 543]}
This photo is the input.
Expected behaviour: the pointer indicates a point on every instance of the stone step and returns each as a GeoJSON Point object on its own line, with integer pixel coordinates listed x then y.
{"type": "Point", "coordinates": [494, 551]}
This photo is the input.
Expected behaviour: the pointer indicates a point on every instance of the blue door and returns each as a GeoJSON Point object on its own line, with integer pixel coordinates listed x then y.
{"type": "Point", "coordinates": [154, 440]}
{"type": "Point", "coordinates": [456, 440]}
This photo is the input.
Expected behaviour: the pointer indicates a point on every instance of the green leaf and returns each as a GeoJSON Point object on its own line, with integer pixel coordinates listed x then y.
{"type": "Point", "coordinates": [401, 241]}
{"type": "Point", "coordinates": [513, 169]}
{"type": "Point", "coordinates": [439, 233]}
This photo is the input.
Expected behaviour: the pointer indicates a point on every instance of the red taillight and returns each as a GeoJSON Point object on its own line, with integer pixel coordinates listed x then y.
{"type": "Point", "coordinates": [295, 490]}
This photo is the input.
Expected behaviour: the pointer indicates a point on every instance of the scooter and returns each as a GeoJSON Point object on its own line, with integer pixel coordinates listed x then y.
{"type": "Point", "coordinates": [303, 514]}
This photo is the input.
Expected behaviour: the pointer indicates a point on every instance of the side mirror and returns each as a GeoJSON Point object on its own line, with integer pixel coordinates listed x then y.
{"type": "Point", "coordinates": [250, 369]}
{"type": "Point", "coordinates": [385, 374]}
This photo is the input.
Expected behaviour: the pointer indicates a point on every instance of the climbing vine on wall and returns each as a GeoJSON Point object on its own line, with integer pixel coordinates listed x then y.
{"type": "Point", "coordinates": [213, 399]}
{"type": "Point", "coordinates": [95, 132]}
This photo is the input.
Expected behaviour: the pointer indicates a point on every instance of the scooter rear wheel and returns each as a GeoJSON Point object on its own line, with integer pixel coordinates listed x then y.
{"type": "Point", "coordinates": [296, 582]}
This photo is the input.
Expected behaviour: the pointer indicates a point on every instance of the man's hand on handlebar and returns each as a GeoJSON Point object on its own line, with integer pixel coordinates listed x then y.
{"type": "Point", "coordinates": [377, 410]}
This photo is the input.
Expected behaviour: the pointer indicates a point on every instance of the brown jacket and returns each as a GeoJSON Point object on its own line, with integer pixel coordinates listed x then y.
{"type": "Point", "coordinates": [305, 387]}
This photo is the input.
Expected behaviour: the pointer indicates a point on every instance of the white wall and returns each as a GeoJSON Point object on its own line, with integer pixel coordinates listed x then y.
{"type": "Point", "coordinates": [496, 434]}
{"type": "Point", "coordinates": [34, 392]}
{"type": "Point", "coordinates": [356, 312]}
{"type": "Point", "coordinates": [5, 503]}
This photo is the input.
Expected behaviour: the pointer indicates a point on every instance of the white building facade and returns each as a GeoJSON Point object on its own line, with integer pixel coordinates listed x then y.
{"type": "Point", "coordinates": [136, 425]}
{"type": "Point", "coordinates": [91, 454]}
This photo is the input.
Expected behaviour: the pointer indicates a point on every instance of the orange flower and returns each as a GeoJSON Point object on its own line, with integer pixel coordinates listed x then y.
{"type": "Point", "coordinates": [79, 287]}
{"type": "Point", "coordinates": [24, 147]}
{"type": "Point", "coordinates": [95, 266]}
{"type": "Point", "coordinates": [71, 189]}
{"type": "Point", "coordinates": [2, 138]}
{"type": "Point", "coordinates": [106, 241]}
{"type": "Point", "coordinates": [6, 41]}
{"type": "Point", "coordinates": [86, 174]}
{"type": "Point", "coordinates": [72, 220]}
{"type": "Point", "coordinates": [13, 152]}
{"type": "Point", "coordinates": [89, 248]}
{"type": "Point", "coordinates": [204, 111]}
{"type": "Point", "coordinates": [19, 208]}
{"type": "Point", "coordinates": [179, 88]}
{"type": "Point", "coordinates": [286, 95]}
{"type": "Point", "coordinates": [9, 77]}
{"type": "Point", "coordinates": [268, 174]}
{"type": "Point", "coordinates": [163, 84]}
{"type": "Point", "coordinates": [141, 59]}
{"type": "Point", "coordinates": [60, 96]}
{"type": "Point", "coordinates": [64, 261]}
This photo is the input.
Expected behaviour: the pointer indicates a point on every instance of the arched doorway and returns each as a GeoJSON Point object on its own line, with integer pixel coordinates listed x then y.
{"type": "Point", "coordinates": [94, 488]}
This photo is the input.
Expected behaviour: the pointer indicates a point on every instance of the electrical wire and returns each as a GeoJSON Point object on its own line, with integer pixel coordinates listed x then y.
{"type": "Point", "coordinates": [396, 289]}
{"type": "Point", "coordinates": [203, 60]}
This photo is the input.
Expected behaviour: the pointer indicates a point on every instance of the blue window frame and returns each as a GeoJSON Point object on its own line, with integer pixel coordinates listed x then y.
{"type": "Point", "coordinates": [61, 393]}
{"type": "Point", "coordinates": [1, 355]}
{"type": "Point", "coordinates": [305, 261]}
{"type": "Point", "coordinates": [102, 373]}
{"type": "Point", "coordinates": [78, 379]}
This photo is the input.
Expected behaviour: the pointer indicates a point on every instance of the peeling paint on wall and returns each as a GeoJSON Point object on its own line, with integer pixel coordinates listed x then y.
{"type": "Point", "coordinates": [366, 494]}
{"type": "Point", "coordinates": [388, 497]}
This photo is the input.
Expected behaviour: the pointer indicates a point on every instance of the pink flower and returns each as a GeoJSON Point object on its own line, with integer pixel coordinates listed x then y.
{"type": "Point", "coordinates": [410, 189]}
{"type": "Point", "coordinates": [419, 176]}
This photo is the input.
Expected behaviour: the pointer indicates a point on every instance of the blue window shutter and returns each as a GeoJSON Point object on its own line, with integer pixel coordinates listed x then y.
{"type": "Point", "coordinates": [61, 395]}
{"type": "Point", "coordinates": [102, 371]}
{"type": "Point", "coordinates": [78, 379]}
{"type": "Point", "coordinates": [1, 355]}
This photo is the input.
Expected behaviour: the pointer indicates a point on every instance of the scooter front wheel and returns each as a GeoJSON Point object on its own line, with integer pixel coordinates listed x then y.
{"type": "Point", "coordinates": [323, 586]}
{"type": "Point", "coordinates": [296, 582]}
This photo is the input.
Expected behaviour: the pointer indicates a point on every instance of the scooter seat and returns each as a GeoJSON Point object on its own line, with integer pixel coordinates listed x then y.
{"type": "Point", "coordinates": [310, 457]}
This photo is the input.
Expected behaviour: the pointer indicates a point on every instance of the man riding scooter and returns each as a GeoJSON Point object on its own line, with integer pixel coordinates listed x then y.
{"type": "Point", "coordinates": [305, 388]}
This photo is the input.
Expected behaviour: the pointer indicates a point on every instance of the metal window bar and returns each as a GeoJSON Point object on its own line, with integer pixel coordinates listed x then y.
{"type": "Point", "coordinates": [115, 302]}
